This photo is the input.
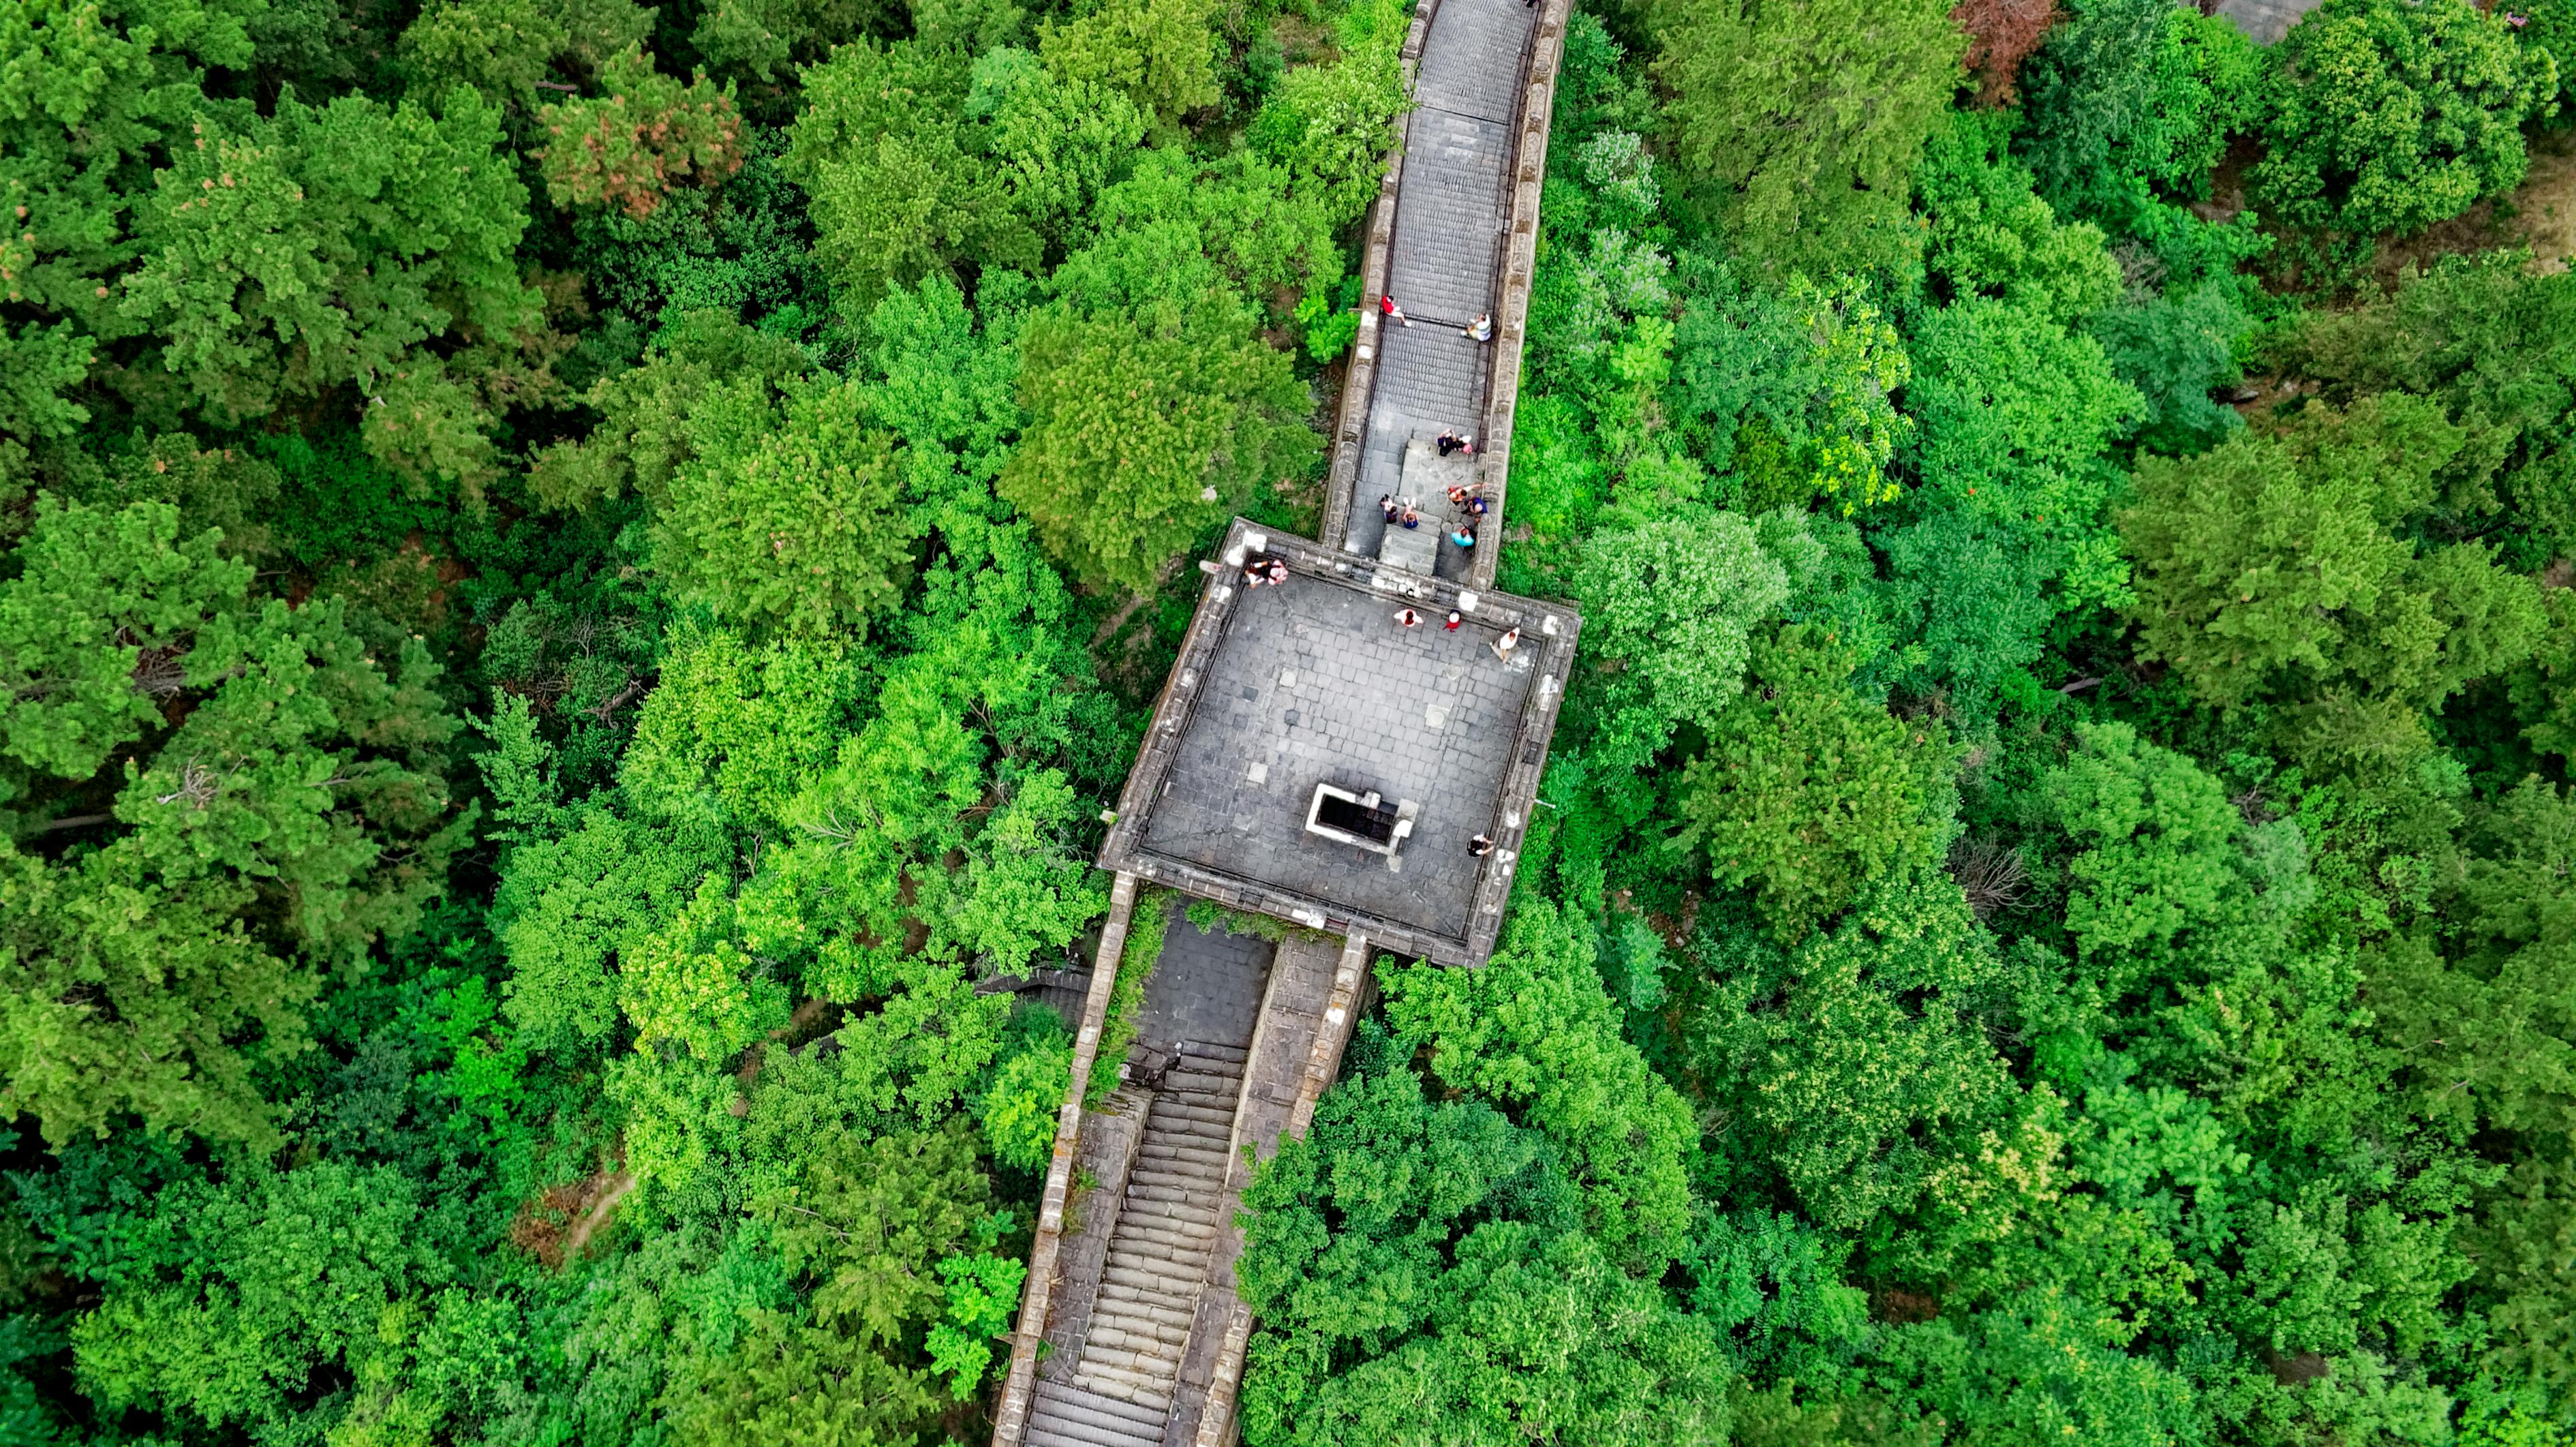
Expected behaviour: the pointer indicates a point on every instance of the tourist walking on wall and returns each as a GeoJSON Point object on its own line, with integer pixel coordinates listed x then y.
{"type": "Point", "coordinates": [1481, 329]}
{"type": "Point", "coordinates": [1387, 305]}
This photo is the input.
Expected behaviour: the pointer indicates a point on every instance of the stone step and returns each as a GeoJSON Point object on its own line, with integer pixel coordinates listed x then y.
{"type": "Point", "coordinates": [1068, 1416]}
{"type": "Point", "coordinates": [1129, 1302]}
{"type": "Point", "coordinates": [1196, 1211]}
{"type": "Point", "coordinates": [1174, 1145]}
{"type": "Point", "coordinates": [1144, 1389]}
{"type": "Point", "coordinates": [1178, 1290]}
{"type": "Point", "coordinates": [1164, 1229]}
{"type": "Point", "coordinates": [1233, 1055]}
{"type": "Point", "coordinates": [1149, 1339]}
{"type": "Point", "coordinates": [1168, 1110]}
{"type": "Point", "coordinates": [1143, 1318]}
{"type": "Point", "coordinates": [1198, 1201]}
{"type": "Point", "coordinates": [1164, 1245]}
{"type": "Point", "coordinates": [1191, 1184]}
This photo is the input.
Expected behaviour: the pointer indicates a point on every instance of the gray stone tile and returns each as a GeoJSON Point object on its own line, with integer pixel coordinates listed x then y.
{"type": "Point", "coordinates": [1365, 731]}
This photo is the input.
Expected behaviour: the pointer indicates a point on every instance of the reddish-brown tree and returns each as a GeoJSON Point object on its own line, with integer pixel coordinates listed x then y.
{"type": "Point", "coordinates": [2001, 35]}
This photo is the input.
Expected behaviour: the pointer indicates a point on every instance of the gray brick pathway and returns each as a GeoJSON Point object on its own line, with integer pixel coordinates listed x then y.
{"type": "Point", "coordinates": [1445, 257]}
{"type": "Point", "coordinates": [1206, 987]}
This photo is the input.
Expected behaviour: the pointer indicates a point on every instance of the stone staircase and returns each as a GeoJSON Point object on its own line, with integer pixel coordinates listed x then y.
{"type": "Point", "coordinates": [1065, 1414]}
{"type": "Point", "coordinates": [1148, 1300]}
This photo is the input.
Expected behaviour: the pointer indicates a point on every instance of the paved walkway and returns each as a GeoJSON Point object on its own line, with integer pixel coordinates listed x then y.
{"type": "Point", "coordinates": [1445, 261]}
{"type": "Point", "coordinates": [1132, 1286]}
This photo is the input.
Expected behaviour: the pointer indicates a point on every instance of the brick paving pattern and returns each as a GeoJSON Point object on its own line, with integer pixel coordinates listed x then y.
{"type": "Point", "coordinates": [1316, 683]}
{"type": "Point", "coordinates": [1444, 264]}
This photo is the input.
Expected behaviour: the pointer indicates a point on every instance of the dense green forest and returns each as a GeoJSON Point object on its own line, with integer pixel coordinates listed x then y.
{"type": "Point", "coordinates": [579, 575]}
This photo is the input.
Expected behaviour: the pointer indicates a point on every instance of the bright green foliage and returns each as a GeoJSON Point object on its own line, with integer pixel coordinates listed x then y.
{"type": "Point", "coordinates": [225, 1315]}
{"type": "Point", "coordinates": [883, 149]}
{"type": "Point", "coordinates": [733, 733]}
{"type": "Point", "coordinates": [2390, 116]}
{"type": "Point", "coordinates": [1420, 1276]}
{"type": "Point", "coordinates": [1119, 1022]}
{"type": "Point", "coordinates": [502, 48]}
{"type": "Point", "coordinates": [1057, 142]}
{"type": "Point", "coordinates": [1807, 117]}
{"type": "Point", "coordinates": [908, 821]}
{"type": "Point", "coordinates": [2039, 1369]}
{"type": "Point", "coordinates": [2016, 413]}
{"type": "Point", "coordinates": [1774, 1288]}
{"type": "Point", "coordinates": [983, 1295]}
{"type": "Point", "coordinates": [869, 1226]}
{"type": "Point", "coordinates": [627, 148]}
{"type": "Point", "coordinates": [570, 909]}
{"type": "Point", "coordinates": [1134, 417]}
{"type": "Point", "coordinates": [1331, 125]}
{"type": "Point", "coordinates": [1808, 790]}
{"type": "Point", "coordinates": [644, 433]}
{"type": "Point", "coordinates": [2270, 566]}
{"type": "Point", "coordinates": [300, 790]}
{"type": "Point", "coordinates": [2486, 1013]}
{"type": "Point", "coordinates": [1160, 54]}
{"type": "Point", "coordinates": [2177, 350]}
{"type": "Point", "coordinates": [92, 91]}
{"type": "Point", "coordinates": [1534, 1029]}
{"type": "Point", "coordinates": [1795, 392]}
{"type": "Point", "coordinates": [1177, 230]}
{"type": "Point", "coordinates": [787, 517]}
{"type": "Point", "coordinates": [326, 247]}
{"type": "Point", "coordinates": [1671, 604]}
{"type": "Point", "coordinates": [764, 37]}
{"type": "Point", "coordinates": [2134, 99]}
{"type": "Point", "coordinates": [2496, 346]}
{"type": "Point", "coordinates": [1991, 236]}
{"type": "Point", "coordinates": [1865, 1070]}
{"type": "Point", "coordinates": [1019, 1108]}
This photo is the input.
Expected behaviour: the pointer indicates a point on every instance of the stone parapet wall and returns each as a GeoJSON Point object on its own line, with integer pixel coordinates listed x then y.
{"type": "Point", "coordinates": [1011, 1416]}
{"type": "Point", "coordinates": [1520, 263]}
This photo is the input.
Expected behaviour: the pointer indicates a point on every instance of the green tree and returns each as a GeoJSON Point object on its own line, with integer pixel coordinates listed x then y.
{"type": "Point", "coordinates": [2270, 567]}
{"type": "Point", "coordinates": [2131, 100]}
{"type": "Point", "coordinates": [1808, 790]}
{"type": "Point", "coordinates": [1864, 1080]}
{"type": "Point", "coordinates": [788, 517]}
{"type": "Point", "coordinates": [1534, 1030]}
{"type": "Point", "coordinates": [1331, 125]}
{"type": "Point", "coordinates": [246, 1292]}
{"type": "Point", "coordinates": [1161, 54]}
{"type": "Point", "coordinates": [328, 247]}
{"type": "Point", "coordinates": [1806, 118]}
{"type": "Point", "coordinates": [218, 867]}
{"type": "Point", "coordinates": [898, 188]}
{"type": "Point", "coordinates": [628, 147]}
{"type": "Point", "coordinates": [2389, 116]}
{"type": "Point", "coordinates": [1144, 426]}
{"type": "Point", "coordinates": [2495, 344]}
{"type": "Point", "coordinates": [1420, 1276]}
{"type": "Point", "coordinates": [1672, 604]}
{"type": "Point", "coordinates": [868, 1227]}
{"type": "Point", "coordinates": [97, 94]}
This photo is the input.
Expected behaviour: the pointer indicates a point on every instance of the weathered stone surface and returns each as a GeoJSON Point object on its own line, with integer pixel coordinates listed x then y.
{"type": "Point", "coordinates": [1150, 1338]}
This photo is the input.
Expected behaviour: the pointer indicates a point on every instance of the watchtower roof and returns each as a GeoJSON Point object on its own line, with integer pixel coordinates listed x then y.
{"type": "Point", "coordinates": [1312, 682]}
